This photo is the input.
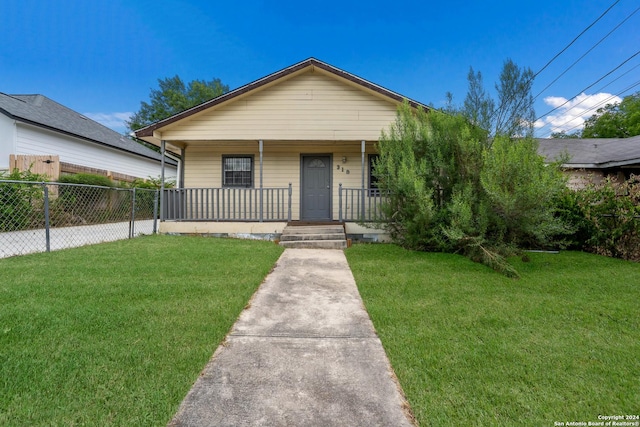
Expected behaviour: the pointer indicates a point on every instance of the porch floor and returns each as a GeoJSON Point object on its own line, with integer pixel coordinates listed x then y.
{"type": "Point", "coordinates": [305, 223]}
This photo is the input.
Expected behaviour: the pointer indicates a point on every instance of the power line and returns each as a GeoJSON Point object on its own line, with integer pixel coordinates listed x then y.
{"type": "Point", "coordinates": [574, 40]}
{"type": "Point", "coordinates": [579, 117]}
{"type": "Point", "coordinates": [591, 85]}
{"type": "Point", "coordinates": [603, 87]}
{"type": "Point", "coordinates": [586, 53]}
{"type": "Point", "coordinates": [619, 77]}
{"type": "Point", "coordinates": [530, 80]}
{"type": "Point", "coordinates": [594, 107]}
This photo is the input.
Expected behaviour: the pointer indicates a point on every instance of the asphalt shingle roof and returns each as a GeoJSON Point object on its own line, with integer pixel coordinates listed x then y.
{"type": "Point", "coordinates": [592, 152]}
{"type": "Point", "coordinates": [45, 112]}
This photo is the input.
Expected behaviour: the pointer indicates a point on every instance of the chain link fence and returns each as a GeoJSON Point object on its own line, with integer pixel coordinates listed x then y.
{"type": "Point", "coordinates": [45, 216]}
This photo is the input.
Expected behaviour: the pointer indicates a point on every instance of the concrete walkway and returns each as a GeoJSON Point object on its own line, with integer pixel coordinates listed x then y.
{"type": "Point", "coordinates": [303, 354]}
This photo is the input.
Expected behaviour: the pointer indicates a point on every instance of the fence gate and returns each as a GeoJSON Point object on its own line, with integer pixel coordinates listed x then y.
{"type": "Point", "coordinates": [43, 165]}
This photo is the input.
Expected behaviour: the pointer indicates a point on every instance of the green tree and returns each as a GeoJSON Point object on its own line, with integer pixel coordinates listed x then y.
{"type": "Point", "coordinates": [511, 113]}
{"type": "Point", "coordinates": [453, 190]}
{"type": "Point", "coordinates": [618, 120]}
{"type": "Point", "coordinates": [564, 135]}
{"type": "Point", "coordinates": [172, 97]}
{"type": "Point", "coordinates": [478, 106]}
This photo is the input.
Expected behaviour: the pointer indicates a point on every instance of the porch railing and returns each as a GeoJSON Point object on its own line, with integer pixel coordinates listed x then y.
{"type": "Point", "coordinates": [227, 204]}
{"type": "Point", "coordinates": [360, 205]}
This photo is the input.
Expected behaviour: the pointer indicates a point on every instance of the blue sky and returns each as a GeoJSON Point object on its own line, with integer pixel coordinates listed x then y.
{"type": "Point", "coordinates": [101, 58]}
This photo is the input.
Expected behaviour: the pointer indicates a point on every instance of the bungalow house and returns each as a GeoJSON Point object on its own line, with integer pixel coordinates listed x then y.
{"type": "Point", "coordinates": [593, 159]}
{"type": "Point", "coordinates": [294, 146]}
{"type": "Point", "coordinates": [39, 134]}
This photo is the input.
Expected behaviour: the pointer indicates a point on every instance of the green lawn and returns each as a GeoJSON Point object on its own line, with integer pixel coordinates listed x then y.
{"type": "Point", "coordinates": [472, 347]}
{"type": "Point", "coordinates": [116, 334]}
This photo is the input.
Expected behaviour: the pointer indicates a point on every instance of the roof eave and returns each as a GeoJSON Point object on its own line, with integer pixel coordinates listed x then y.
{"type": "Point", "coordinates": [84, 138]}
{"type": "Point", "coordinates": [621, 163]}
{"type": "Point", "coordinates": [605, 165]}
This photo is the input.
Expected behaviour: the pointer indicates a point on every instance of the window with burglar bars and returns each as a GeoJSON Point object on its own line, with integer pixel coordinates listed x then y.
{"type": "Point", "coordinates": [237, 171]}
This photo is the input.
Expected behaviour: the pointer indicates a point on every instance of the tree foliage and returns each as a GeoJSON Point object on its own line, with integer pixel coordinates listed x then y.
{"type": "Point", "coordinates": [564, 135]}
{"type": "Point", "coordinates": [512, 112]}
{"type": "Point", "coordinates": [172, 97]}
{"type": "Point", "coordinates": [478, 106]}
{"type": "Point", "coordinates": [618, 120]}
{"type": "Point", "coordinates": [452, 190]}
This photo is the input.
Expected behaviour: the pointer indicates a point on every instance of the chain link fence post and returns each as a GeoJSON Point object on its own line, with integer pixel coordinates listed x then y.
{"type": "Point", "coordinates": [133, 214]}
{"type": "Point", "coordinates": [156, 197]}
{"type": "Point", "coordinates": [47, 219]}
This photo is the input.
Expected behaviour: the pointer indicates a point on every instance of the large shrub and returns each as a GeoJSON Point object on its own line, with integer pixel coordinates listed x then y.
{"type": "Point", "coordinates": [87, 179]}
{"type": "Point", "coordinates": [21, 204]}
{"type": "Point", "coordinates": [606, 216]}
{"type": "Point", "coordinates": [93, 199]}
{"type": "Point", "coordinates": [521, 193]}
{"type": "Point", "coordinates": [454, 190]}
{"type": "Point", "coordinates": [152, 183]}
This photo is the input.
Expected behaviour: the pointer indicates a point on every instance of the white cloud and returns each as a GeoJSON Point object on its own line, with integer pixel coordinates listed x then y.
{"type": "Point", "coordinates": [113, 121]}
{"type": "Point", "coordinates": [571, 115]}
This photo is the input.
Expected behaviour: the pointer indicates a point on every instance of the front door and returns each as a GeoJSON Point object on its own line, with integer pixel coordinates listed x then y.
{"type": "Point", "coordinates": [315, 198]}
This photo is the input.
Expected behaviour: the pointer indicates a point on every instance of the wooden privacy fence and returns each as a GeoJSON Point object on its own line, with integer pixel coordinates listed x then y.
{"type": "Point", "coordinates": [48, 165]}
{"type": "Point", "coordinates": [52, 167]}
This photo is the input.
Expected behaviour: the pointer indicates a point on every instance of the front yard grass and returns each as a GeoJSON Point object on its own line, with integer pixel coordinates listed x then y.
{"type": "Point", "coordinates": [116, 334]}
{"type": "Point", "coordinates": [471, 347]}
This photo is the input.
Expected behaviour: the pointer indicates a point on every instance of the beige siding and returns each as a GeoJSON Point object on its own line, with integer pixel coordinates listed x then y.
{"type": "Point", "coordinates": [281, 166]}
{"type": "Point", "coordinates": [311, 106]}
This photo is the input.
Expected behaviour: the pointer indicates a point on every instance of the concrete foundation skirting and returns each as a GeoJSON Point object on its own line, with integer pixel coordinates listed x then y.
{"type": "Point", "coordinates": [368, 238]}
{"type": "Point", "coordinates": [360, 238]}
{"type": "Point", "coordinates": [261, 231]}
{"type": "Point", "coordinates": [248, 236]}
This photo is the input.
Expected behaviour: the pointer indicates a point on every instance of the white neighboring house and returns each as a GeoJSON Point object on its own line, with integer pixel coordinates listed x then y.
{"type": "Point", "coordinates": [34, 125]}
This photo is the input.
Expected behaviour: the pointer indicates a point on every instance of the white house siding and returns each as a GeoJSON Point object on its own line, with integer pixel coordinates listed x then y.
{"type": "Point", "coordinates": [38, 141]}
{"type": "Point", "coordinates": [7, 140]}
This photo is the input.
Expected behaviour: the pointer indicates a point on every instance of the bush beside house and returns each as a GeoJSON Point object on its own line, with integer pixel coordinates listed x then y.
{"type": "Point", "coordinates": [606, 217]}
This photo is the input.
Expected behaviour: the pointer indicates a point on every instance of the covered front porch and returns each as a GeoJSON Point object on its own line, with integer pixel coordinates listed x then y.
{"type": "Point", "coordinates": [325, 183]}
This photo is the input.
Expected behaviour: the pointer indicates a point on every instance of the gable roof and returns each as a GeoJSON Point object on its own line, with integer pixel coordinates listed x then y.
{"type": "Point", "coordinates": [44, 112]}
{"type": "Point", "coordinates": [307, 63]}
{"type": "Point", "coordinates": [592, 153]}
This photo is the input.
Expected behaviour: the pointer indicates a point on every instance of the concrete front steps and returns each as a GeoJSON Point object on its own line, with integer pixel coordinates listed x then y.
{"type": "Point", "coordinates": [314, 237]}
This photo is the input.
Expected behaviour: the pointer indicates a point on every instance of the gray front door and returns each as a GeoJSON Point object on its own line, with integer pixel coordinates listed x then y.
{"type": "Point", "coordinates": [316, 188]}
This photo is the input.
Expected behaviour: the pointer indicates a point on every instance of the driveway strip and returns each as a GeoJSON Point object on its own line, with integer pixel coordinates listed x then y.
{"type": "Point", "coordinates": [304, 353]}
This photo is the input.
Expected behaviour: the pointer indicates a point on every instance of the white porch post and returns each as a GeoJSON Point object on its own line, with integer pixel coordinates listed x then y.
{"type": "Point", "coordinates": [180, 179]}
{"type": "Point", "coordinates": [260, 147]}
{"type": "Point", "coordinates": [363, 147]}
{"type": "Point", "coordinates": [163, 151]}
